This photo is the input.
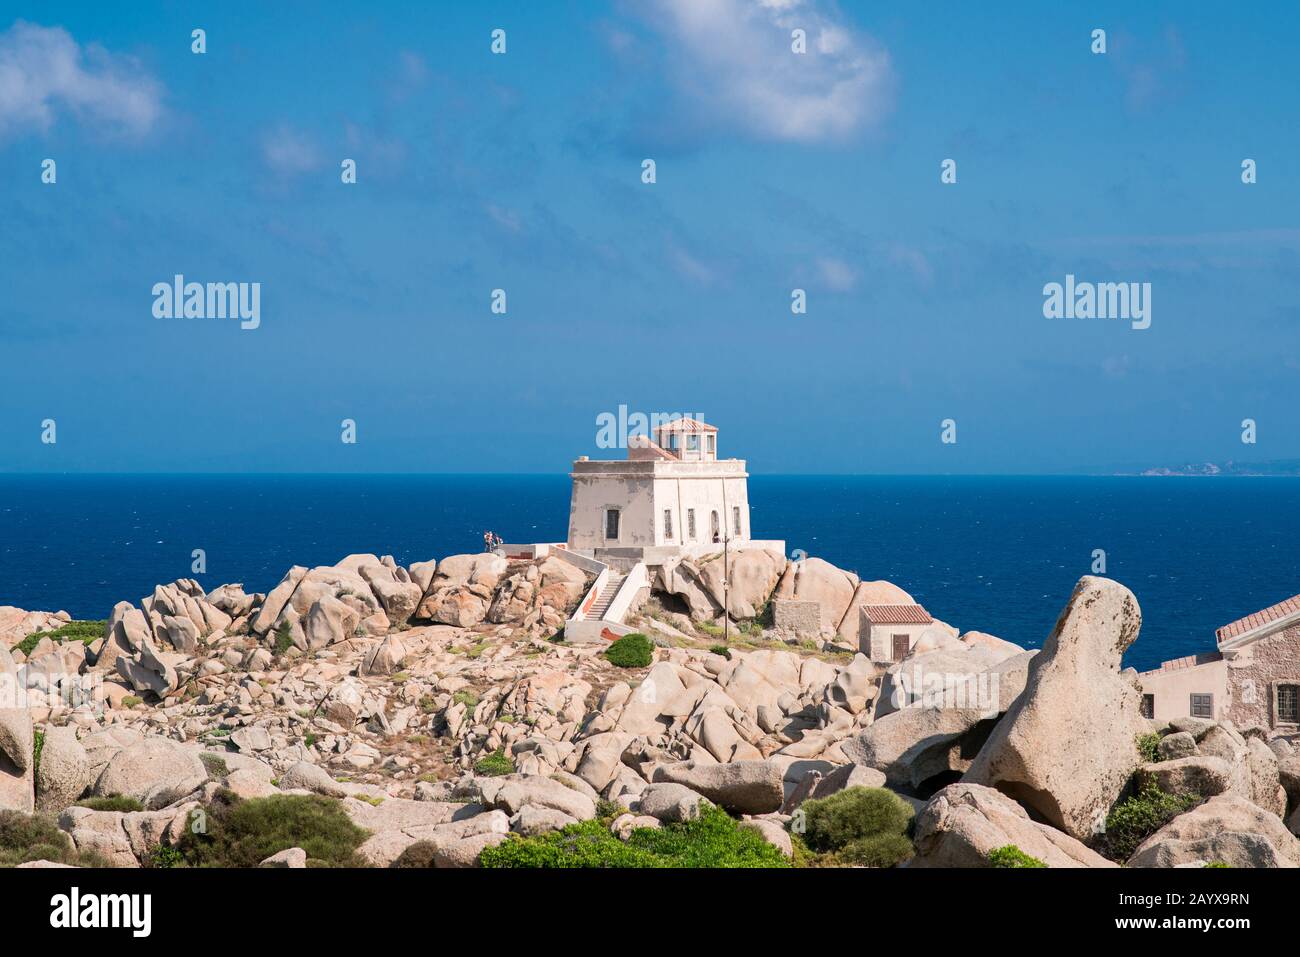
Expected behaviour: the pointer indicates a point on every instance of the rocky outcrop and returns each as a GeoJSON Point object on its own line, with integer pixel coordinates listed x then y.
{"type": "Point", "coordinates": [154, 771]}
{"type": "Point", "coordinates": [1227, 829]}
{"type": "Point", "coordinates": [916, 744]}
{"type": "Point", "coordinates": [1067, 746]}
{"type": "Point", "coordinates": [64, 771]}
{"type": "Point", "coordinates": [17, 772]}
{"type": "Point", "coordinates": [963, 823]}
{"type": "Point", "coordinates": [743, 787]}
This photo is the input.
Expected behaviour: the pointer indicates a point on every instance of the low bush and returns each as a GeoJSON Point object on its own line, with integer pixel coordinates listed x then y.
{"type": "Point", "coordinates": [631, 651]}
{"type": "Point", "coordinates": [714, 839]}
{"type": "Point", "coordinates": [1148, 746]}
{"type": "Point", "coordinates": [852, 824]}
{"type": "Point", "coordinates": [214, 764]}
{"type": "Point", "coordinates": [721, 650]}
{"type": "Point", "coordinates": [1011, 856]}
{"type": "Point", "coordinates": [1136, 818]}
{"type": "Point", "coordinates": [114, 802]}
{"type": "Point", "coordinates": [36, 837]}
{"type": "Point", "coordinates": [241, 833]}
{"type": "Point", "coordinates": [164, 857]}
{"type": "Point", "coordinates": [83, 631]}
{"type": "Point", "coordinates": [283, 638]}
{"type": "Point", "coordinates": [419, 854]}
{"type": "Point", "coordinates": [495, 764]}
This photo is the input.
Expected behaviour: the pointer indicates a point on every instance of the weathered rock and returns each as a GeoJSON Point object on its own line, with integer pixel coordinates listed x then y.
{"type": "Point", "coordinates": [743, 787]}
{"type": "Point", "coordinates": [915, 744]}
{"type": "Point", "coordinates": [17, 785]}
{"type": "Point", "coordinates": [963, 823]}
{"type": "Point", "coordinates": [1198, 775]}
{"type": "Point", "coordinates": [155, 771]}
{"type": "Point", "coordinates": [772, 832]}
{"type": "Point", "coordinates": [532, 820]}
{"type": "Point", "coordinates": [291, 857]}
{"type": "Point", "coordinates": [328, 622]}
{"type": "Point", "coordinates": [813, 579]}
{"type": "Point", "coordinates": [64, 771]}
{"type": "Point", "coordinates": [1180, 744]}
{"type": "Point", "coordinates": [385, 658]}
{"type": "Point", "coordinates": [1225, 828]}
{"type": "Point", "coordinates": [399, 599]}
{"type": "Point", "coordinates": [670, 803]}
{"type": "Point", "coordinates": [1067, 746]}
{"type": "Point", "coordinates": [513, 792]}
{"type": "Point", "coordinates": [466, 851]}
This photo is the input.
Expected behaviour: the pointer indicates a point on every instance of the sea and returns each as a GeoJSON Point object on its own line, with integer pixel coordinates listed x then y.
{"type": "Point", "coordinates": [988, 553]}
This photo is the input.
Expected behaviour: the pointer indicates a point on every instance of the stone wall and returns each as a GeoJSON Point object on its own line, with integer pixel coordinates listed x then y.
{"type": "Point", "coordinates": [1255, 673]}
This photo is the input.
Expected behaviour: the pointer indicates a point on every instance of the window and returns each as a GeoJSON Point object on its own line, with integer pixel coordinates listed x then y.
{"type": "Point", "coordinates": [714, 529]}
{"type": "Point", "coordinates": [611, 524]}
{"type": "Point", "coordinates": [1202, 706]}
{"type": "Point", "coordinates": [690, 524]}
{"type": "Point", "coordinates": [735, 518]}
{"type": "Point", "coordinates": [692, 443]}
{"type": "Point", "coordinates": [711, 444]}
{"type": "Point", "coordinates": [1288, 704]}
{"type": "Point", "coordinates": [1148, 706]}
{"type": "Point", "coordinates": [668, 523]}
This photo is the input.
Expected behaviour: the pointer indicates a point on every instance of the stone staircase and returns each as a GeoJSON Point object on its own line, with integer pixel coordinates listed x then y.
{"type": "Point", "coordinates": [606, 596]}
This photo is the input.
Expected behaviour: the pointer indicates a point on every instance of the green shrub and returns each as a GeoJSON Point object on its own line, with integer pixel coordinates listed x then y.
{"type": "Point", "coordinates": [709, 628]}
{"type": "Point", "coordinates": [468, 698]}
{"type": "Point", "coordinates": [832, 823]}
{"type": "Point", "coordinates": [283, 638]}
{"type": "Point", "coordinates": [712, 840]}
{"type": "Point", "coordinates": [878, 850]}
{"type": "Point", "coordinates": [607, 810]}
{"type": "Point", "coordinates": [241, 833]}
{"type": "Point", "coordinates": [1218, 864]}
{"type": "Point", "coordinates": [215, 764]}
{"type": "Point", "coordinates": [631, 651]}
{"type": "Point", "coordinates": [1011, 856]}
{"type": "Point", "coordinates": [419, 854]}
{"type": "Point", "coordinates": [38, 745]}
{"type": "Point", "coordinates": [1136, 818]}
{"type": "Point", "coordinates": [1149, 747]}
{"type": "Point", "coordinates": [83, 631]}
{"type": "Point", "coordinates": [36, 837]}
{"type": "Point", "coordinates": [114, 802]}
{"type": "Point", "coordinates": [495, 764]}
{"type": "Point", "coordinates": [721, 650]}
{"type": "Point", "coordinates": [163, 857]}
{"type": "Point", "coordinates": [131, 701]}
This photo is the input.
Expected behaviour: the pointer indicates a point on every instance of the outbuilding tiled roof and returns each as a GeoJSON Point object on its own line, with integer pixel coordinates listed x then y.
{"type": "Point", "coordinates": [897, 614]}
{"type": "Point", "coordinates": [1272, 613]}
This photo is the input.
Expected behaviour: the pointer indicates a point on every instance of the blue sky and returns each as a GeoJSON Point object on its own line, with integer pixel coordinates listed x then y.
{"type": "Point", "coordinates": [522, 171]}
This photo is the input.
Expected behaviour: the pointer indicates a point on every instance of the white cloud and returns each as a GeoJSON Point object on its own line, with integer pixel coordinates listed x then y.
{"type": "Point", "coordinates": [289, 152]}
{"type": "Point", "coordinates": [838, 275]}
{"type": "Point", "coordinates": [733, 59]}
{"type": "Point", "coordinates": [44, 71]}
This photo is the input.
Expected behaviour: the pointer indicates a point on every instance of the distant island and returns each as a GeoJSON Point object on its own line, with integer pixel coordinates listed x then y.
{"type": "Point", "coordinates": [1278, 467]}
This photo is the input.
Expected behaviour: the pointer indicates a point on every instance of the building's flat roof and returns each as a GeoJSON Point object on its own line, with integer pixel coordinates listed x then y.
{"type": "Point", "coordinates": [1262, 617]}
{"type": "Point", "coordinates": [897, 615]}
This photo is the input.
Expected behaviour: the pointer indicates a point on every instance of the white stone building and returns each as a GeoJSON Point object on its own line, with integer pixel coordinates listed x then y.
{"type": "Point", "coordinates": [671, 495]}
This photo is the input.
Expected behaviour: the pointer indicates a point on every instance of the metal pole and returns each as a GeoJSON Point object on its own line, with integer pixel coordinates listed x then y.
{"type": "Point", "coordinates": [726, 589]}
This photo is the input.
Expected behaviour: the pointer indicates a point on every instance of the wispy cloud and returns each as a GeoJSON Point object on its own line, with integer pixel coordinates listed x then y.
{"type": "Point", "coordinates": [44, 72]}
{"type": "Point", "coordinates": [290, 152]}
{"type": "Point", "coordinates": [732, 62]}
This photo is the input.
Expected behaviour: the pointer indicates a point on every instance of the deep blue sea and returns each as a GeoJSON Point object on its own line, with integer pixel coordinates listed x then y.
{"type": "Point", "coordinates": [989, 553]}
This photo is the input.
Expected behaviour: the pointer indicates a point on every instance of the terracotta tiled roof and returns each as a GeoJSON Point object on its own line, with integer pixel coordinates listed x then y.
{"type": "Point", "coordinates": [897, 615]}
{"type": "Point", "coordinates": [1250, 622]}
{"type": "Point", "coordinates": [1190, 661]}
{"type": "Point", "coordinates": [687, 424]}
